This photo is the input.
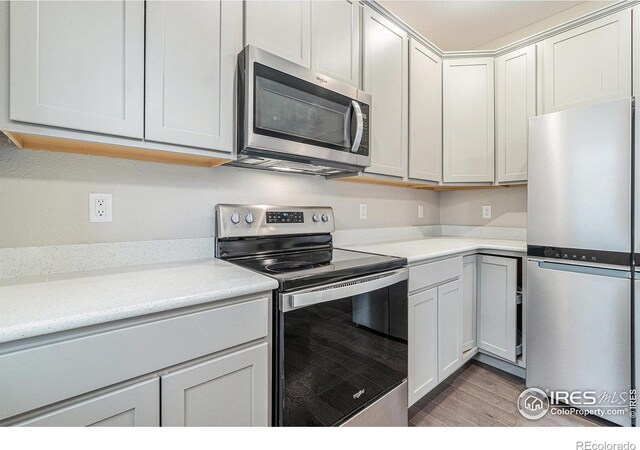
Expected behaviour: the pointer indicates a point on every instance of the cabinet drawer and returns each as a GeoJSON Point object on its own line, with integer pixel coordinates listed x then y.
{"type": "Point", "coordinates": [50, 373]}
{"type": "Point", "coordinates": [429, 274]}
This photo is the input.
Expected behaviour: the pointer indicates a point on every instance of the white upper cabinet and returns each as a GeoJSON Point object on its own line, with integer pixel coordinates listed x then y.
{"type": "Point", "coordinates": [425, 113]}
{"type": "Point", "coordinates": [468, 134]}
{"type": "Point", "coordinates": [321, 35]}
{"type": "Point", "coordinates": [515, 103]}
{"type": "Point", "coordinates": [588, 64]}
{"type": "Point", "coordinates": [192, 50]}
{"type": "Point", "coordinates": [280, 27]}
{"type": "Point", "coordinates": [335, 39]}
{"type": "Point", "coordinates": [385, 77]}
{"type": "Point", "coordinates": [78, 65]}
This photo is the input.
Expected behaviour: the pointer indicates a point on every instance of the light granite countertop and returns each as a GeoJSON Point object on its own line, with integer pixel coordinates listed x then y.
{"type": "Point", "coordinates": [42, 304]}
{"type": "Point", "coordinates": [421, 250]}
{"type": "Point", "coordinates": [39, 305]}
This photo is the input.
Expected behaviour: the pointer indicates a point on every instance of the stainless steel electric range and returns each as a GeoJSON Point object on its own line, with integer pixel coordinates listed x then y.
{"type": "Point", "coordinates": [340, 316]}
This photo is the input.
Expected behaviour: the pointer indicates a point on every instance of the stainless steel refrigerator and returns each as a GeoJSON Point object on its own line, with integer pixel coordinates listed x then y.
{"type": "Point", "coordinates": [579, 268]}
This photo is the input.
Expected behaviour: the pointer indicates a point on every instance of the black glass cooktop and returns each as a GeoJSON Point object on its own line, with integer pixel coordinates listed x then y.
{"type": "Point", "coordinates": [313, 267]}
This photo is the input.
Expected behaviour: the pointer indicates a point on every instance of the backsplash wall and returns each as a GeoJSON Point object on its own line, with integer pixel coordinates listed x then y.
{"type": "Point", "coordinates": [44, 198]}
{"type": "Point", "coordinates": [508, 207]}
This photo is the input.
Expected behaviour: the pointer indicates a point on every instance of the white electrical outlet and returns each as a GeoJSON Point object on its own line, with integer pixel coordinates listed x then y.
{"type": "Point", "coordinates": [420, 211]}
{"type": "Point", "coordinates": [363, 211]}
{"type": "Point", "coordinates": [100, 208]}
{"type": "Point", "coordinates": [486, 212]}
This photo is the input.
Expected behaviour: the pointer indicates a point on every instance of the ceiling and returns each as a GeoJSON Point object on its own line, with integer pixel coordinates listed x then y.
{"type": "Point", "coordinates": [471, 25]}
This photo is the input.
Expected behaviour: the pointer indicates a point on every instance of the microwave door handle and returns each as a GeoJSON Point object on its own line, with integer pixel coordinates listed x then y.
{"type": "Point", "coordinates": [359, 128]}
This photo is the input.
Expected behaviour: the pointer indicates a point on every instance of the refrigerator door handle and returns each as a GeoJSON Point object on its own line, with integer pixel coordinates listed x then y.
{"type": "Point", "coordinates": [588, 270]}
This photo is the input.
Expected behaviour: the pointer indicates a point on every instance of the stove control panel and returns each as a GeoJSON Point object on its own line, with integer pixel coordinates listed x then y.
{"type": "Point", "coordinates": [266, 220]}
{"type": "Point", "coordinates": [285, 217]}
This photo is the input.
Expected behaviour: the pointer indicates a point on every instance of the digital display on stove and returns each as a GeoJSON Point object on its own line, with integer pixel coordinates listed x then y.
{"type": "Point", "coordinates": [285, 217]}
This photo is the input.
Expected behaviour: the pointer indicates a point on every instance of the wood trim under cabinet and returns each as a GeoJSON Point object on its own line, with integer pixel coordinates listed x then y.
{"type": "Point", "coordinates": [380, 181]}
{"type": "Point", "coordinates": [359, 178]}
{"type": "Point", "coordinates": [63, 145]}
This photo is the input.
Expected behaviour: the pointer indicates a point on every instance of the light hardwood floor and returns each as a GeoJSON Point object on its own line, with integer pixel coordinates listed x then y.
{"type": "Point", "coordinates": [480, 395]}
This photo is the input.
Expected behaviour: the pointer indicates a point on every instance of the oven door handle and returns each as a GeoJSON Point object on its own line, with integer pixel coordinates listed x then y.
{"type": "Point", "coordinates": [343, 289]}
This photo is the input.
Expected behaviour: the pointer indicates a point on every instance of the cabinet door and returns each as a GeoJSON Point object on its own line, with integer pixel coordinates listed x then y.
{"type": "Point", "coordinates": [132, 406]}
{"type": "Point", "coordinates": [468, 120]}
{"type": "Point", "coordinates": [335, 39]}
{"type": "Point", "coordinates": [469, 284]}
{"type": "Point", "coordinates": [78, 65]}
{"type": "Point", "coordinates": [423, 344]}
{"type": "Point", "coordinates": [515, 103]}
{"type": "Point", "coordinates": [280, 27]}
{"type": "Point", "coordinates": [425, 113]}
{"type": "Point", "coordinates": [232, 390]}
{"type": "Point", "coordinates": [385, 78]}
{"type": "Point", "coordinates": [192, 50]}
{"type": "Point", "coordinates": [589, 64]}
{"type": "Point", "coordinates": [449, 328]}
{"type": "Point", "coordinates": [497, 317]}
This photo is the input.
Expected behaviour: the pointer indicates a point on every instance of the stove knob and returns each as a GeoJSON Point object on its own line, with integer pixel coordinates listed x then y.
{"type": "Point", "coordinates": [249, 218]}
{"type": "Point", "coordinates": [316, 217]}
{"type": "Point", "coordinates": [325, 217]}
{"type": "Point", "coordinates": [235, 218]}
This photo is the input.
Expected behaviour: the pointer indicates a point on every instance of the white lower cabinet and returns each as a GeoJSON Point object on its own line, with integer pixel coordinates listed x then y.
{"type": "Point", "coordinates": [497, 306]}
{"type": "Point", "coordinates": [132, 406]}
{"type": "Point", "coordinates": [205, 366]}
{"type": "Point", "coordinates": [457, 307]}
{"type": "Point", "coordinates": [469, 284]}
{"type": "Point", "coordinates": [423, 343]}
{"type": "Point", "coordinates": [449, 328]}
{"type": "Point", "coordinates": [435, 324]}
{"type": "Point", "coordinates": [232, 390]}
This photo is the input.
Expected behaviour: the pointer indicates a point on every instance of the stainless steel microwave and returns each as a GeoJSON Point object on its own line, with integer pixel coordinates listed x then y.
{"type": "Point", "coordinates": [296, 120]}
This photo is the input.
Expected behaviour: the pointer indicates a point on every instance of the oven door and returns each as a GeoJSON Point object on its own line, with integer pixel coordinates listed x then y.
{"type": "Point", "coordinates": [340, 348]}
{"type": "Point", "coordinates": [295, 113]}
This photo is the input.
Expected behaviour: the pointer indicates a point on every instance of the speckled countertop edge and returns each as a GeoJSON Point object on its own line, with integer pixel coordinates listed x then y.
{"type": "Point", "coordinates": [44, 305]}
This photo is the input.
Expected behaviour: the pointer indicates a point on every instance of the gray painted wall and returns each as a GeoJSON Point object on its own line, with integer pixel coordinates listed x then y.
{"type": "Point", "coordinates": [508, 207]}
{"type": "Point", "coordinates": [44, 198]}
